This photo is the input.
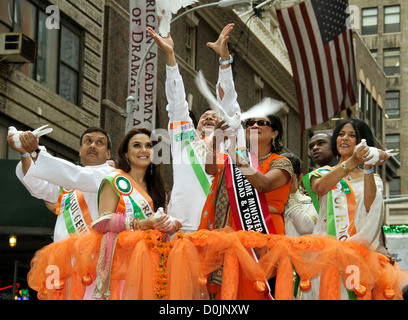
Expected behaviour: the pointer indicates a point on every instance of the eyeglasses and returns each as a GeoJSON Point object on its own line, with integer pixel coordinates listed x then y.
{"type": "Point", "coordinates": [261, 123]}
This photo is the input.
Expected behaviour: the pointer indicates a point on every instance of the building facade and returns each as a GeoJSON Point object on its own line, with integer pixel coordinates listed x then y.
{"type": "Point", "coordinates": [380, 25]}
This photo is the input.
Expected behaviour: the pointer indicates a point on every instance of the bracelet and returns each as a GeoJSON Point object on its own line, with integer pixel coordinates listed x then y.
{"type": "Point", "coordinates": [369, 171]}
{"type": "Point", "coordinates": [25, 155]}
{"type": "Point", "coordinates": [225, 62]}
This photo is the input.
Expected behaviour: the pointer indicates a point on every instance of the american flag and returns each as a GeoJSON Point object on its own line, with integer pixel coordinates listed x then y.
{"type": "Point", "coordinates": [320, 48]}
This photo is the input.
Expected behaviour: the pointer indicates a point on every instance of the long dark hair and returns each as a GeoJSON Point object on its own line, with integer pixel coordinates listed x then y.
{"type": "Point", "coordinates": [361, 128]}
{"type": "Point", "coordinates": [155, 184]}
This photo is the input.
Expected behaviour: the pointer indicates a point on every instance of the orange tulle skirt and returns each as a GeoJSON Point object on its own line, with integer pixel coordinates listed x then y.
{"type": "Point", "coordinates": [144, 266]}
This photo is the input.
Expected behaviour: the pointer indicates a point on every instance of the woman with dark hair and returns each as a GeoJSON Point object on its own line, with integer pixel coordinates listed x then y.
{"type": "Point", "coordinates": [249, 191]}
{"type": "Point", "coordinates": [128, 199]}
{"type": "Point", "coordinates": [349, 199]}
{"type": "Point", "coordinates": [136, 189]}
{"type": "Point", "coordinates": [272, 178]}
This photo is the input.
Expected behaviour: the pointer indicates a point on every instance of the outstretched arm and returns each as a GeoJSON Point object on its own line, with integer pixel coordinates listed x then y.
{"type": "Point", "coordinates": [166, 44]}
{"type": "Point", "coordinates": [177, 106]}
{"type": "Point", "coordinates": [221, 48]}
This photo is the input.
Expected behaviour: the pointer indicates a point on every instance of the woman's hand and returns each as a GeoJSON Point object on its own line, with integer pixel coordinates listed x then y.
{"type": "Point", "coordinates": [360, 154]}
{"type": "Point", "coordinates": [152, 222]}
{"type": "Point", "coordinates": [383, 156]}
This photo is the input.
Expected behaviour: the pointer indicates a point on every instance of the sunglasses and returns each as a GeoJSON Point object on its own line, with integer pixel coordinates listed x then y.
{"type": "Point", "coordinates": [260, 123]}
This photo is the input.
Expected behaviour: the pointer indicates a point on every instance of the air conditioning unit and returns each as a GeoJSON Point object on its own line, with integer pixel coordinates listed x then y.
{"type": "Point", "coordinates": [16, 47]}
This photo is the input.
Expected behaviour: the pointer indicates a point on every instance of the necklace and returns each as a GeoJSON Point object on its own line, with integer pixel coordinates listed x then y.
{"type": "Point", "coordinates": [265, 157]}
{"type": "Point", "coordinates": [355, 169]}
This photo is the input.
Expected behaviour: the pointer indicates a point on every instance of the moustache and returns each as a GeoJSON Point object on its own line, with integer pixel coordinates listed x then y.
{"type": "Point", "coordinates": [92, 152]}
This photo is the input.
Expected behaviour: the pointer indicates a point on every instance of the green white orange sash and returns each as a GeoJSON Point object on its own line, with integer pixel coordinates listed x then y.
{"type": "Point", "coordinates": [195, 147]}
{"type": "Point", "coordinates": [133, 200]}
{"type": "Point", "coordinates": [341, 204]}
{"type": "Point", "coordinates": [71, 204]}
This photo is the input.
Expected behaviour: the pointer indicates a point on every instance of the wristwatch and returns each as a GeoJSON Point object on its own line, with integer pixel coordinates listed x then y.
{"type": "Point", "coordinates": [343, 165]}
{"type": "Point", "coordinates": [34, 154]}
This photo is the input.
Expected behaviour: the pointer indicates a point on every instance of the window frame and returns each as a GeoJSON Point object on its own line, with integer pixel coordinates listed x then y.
{"type": "Point", "coordinates": [366, 30]}
{"type": "Point", "coordinates": [32, 70]}
{"type": "Point", "coordinates": [392, 99]}
{"type": "Point", "coordinates": [392, 25]}
{"type": "Point", "coordinates": [393, 69]}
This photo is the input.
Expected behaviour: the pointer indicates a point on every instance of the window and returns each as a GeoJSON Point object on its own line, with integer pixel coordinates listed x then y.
{"type": "Point", "coordinates": [6, 15]}
{"type": "Point", "coordinates": [369, 21]}
{"type": "Point", "coordinates": [190, 45]}
{"type": "Point", "coordinates": [367, 112]}
{"type": "Point", "coordinates": [361, 99]}
{"type": "Point", "coordinates": [392, 61]}
{"type": "Point", "coordinates": [58, 64]}
{"type": "Point", "coordinates": [374, 117]}
{"type": "Point", "coordinates": [380, 116]}
{"type": "Point", "coordinates": [392, 19]}
{"type": "Point", "coordinates": [259, 85]}
{"type": "Point", "coordinates": [191, 38]}
{"type": "Point", "coordinates": [392, 104]}
{"type": "Point", "coordinates": [395, 186]}
{"type": "Point", "coordinates": [392, 141]}
{"type": "Point", "coordinates": [374, 53]}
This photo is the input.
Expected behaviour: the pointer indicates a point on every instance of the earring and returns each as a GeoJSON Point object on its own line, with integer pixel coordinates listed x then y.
{"type": "Point", "coordinates": [127, 160]}
{"type": "Point", "coordinates": [151, 169]}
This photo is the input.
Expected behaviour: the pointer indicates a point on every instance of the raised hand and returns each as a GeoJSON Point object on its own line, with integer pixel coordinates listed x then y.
{"type": "Point", "coordinates": [166, 44]}
{"type": "Point", "coordinates": [221, 45]}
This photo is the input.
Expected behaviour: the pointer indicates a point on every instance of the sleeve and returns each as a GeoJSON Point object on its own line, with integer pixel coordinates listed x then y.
{"type": "Point", "coordinates": [38, 188]}
{"type": "Point", "coordinates": [177, 106]}
{"type": "Point", "coordinates": [230, 98]}
{"type": "Point", "coordinates": [66, 174]}
{"type": "Point", "coordinates": [303, 216]}
{"type": "Point", "coordinates": [371, 224]}
{"type": "Point", "coordinates": [283, 164]}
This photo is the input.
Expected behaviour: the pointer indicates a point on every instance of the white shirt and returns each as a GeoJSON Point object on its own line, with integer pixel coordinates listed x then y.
{"type": "Point", "coordinates": [45, 177]}
{"type": "Point", "coordinates": [187, 196]}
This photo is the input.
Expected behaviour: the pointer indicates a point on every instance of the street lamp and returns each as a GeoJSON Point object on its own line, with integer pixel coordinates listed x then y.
{"type": "Point", "coordinates": [131, 101]}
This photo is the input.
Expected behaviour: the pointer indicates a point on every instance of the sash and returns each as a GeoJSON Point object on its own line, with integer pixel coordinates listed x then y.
{"type": "Point", "coordinates": [71, 204]}
{"type": "Point", "coordinates": [249, 207]}
{"type": "Point", "coordinates": [133, 200]}
{"type": "Point", "coordinates": [195, 147]}
{"type": "Point", "coordinates": [341, 204]}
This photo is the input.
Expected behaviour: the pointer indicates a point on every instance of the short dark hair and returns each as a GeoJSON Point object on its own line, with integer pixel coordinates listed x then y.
{"type": "Point", "coordinates": [363, 131]}
{"type": "Point", "coordinates": [97, 129]}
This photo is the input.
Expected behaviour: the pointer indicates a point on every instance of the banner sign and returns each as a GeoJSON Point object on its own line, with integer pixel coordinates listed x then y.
{"type": "Point", "coordinates": [142, 15]}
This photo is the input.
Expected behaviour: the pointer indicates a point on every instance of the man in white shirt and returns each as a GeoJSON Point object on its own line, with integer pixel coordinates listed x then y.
{"type": "Point", "coordinates": [70, 189]}
{"type": "Point", "coordinates": [188, 144]}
